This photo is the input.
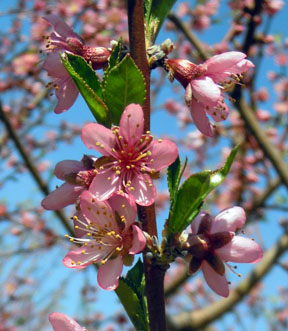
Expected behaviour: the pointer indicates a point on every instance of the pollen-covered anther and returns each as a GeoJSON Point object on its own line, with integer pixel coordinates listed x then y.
{"type": "Point", "coordinates": [118, 249]}
{"type": "Point", "coordinates": [98, 143]}
{"type": "Point", "coordinates": [123, 206]}
{"type": "Point", "coordinates": [76, 226]}
{"type": "Point", "coordinates": [160, 140]}
{"type": "Point", "coordinates": [109, 179]}
{"type": "Point", "coordinates": [118, 172]}
{"type": "Point", "coordinates": [66, 235]}
{"type": "Point", "coordinates": [128, 167]}
{"type": "Point", "coordinates": [83, 251]}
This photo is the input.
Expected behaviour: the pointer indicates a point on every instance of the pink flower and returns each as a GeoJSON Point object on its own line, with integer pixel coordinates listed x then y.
{"type": "Point", "coordinates": [77, 175]}
{"type": "Point", "coordinates": [63, 39]}
{"type": "Point", "coordinates": [62, 322]}
{"type": "Point", "coordinates": [131, 158]}
{"type": "Point", "coordinates": [111, 237]}
{"type": "Point", "coordinates": [204, 84]}
{"type": "Point", "coordinates": [213, 243]}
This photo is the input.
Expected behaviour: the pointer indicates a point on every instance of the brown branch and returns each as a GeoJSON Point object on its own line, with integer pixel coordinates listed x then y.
{"type": "Point", "coordinates": [154, 275]}
{"type": "Point", "coordinates": [202, 317]}
{"type": "Point", "coordinates": [189, 35]}
{"type": "Point", "coordinates": [30, 166]}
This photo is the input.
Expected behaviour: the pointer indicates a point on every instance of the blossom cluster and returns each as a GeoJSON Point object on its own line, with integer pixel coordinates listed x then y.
{"type": "Point", "coordinates": [107, 189]}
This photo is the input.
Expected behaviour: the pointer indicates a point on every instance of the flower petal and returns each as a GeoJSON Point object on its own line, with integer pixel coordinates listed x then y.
{"type": "Point", "coordinates": [223, 62]}
{"type": "Point", "coordinates": [139, 240]}
{"type": "Point", "coordinates": [109, 273]}
{"type": "Point", "coordinates": [96, 211]}
{"type": "Point", "coordinates": [132, 124]}
{"type": "Point", "coordinates": [54, 66]}
{"type": "Point", "coordinates": [62, 322]}
{"type": "Point", "coordinates": [202, 216]}
{"type": "Point", "coordinates": [98, 137]}
{"type": "Point", "coordinates": [206, 91]}
{"type": "Point", "coordinates": [103, 188]}
{"type": "Point", "coordinates": [66, 94]}
{"type": "Point", "coordinates": [241, 250]}
{"type": "Point", "coordinates": [125, 206]}
{"type": "Point", "coordinates": [144, 191]}
{"type": "Point", "coordinates": [67, 167]}
{"type": "Point", "coordinates": [200, 119]}
{"type": "Point", "coordinates": [63, 196]}
{"type": "Point", "coordinates": [216, 282]}
{"type": "Point", "coordinates": [76, 259]}
{"type": "Point", "coordinates": [60, 26]}
{"type": "Point", "coordinates": [230, 219]}
{"type": "Point", "coordinates": [163, 153]}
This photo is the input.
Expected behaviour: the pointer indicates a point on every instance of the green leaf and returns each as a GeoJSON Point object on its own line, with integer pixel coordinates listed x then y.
{"type": "Point", "coordinates": [131, 294]}
{"type": "Point", "coordinates": [113, 60]}
{"type": "Point", "coordinates": [89, 86]}
{"type": "Point", "coordinates": [192, 193]}
{"type": "Point", "coordinates": [155, 13]}
{"type": "Point", "coordinates": [124, 84]}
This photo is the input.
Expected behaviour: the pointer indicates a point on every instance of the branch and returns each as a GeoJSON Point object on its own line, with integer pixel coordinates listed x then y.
{"type": "Point", "coordinates": [154, 275]}
{"type": "Point", "coordinates": [202, 317]}
{"type": "Point", "coordinates": [189, 35]}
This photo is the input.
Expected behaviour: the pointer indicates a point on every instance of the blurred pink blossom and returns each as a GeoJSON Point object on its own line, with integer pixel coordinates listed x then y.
{"type": "Point", "coordinates": [62, 322]}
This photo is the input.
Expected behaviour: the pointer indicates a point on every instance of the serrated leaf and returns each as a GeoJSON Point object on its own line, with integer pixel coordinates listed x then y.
{"type": "Point", "coordinates": [124, 85]}
{"type": "Point", "coordinates": [218, 176]}
{"type": "Point", "coordinates": [188, 200]}
{"type": "Point", "coordinates": [113, 60]}
{"type": "Point", "coordinates": [131, 294]}
{"type": "Point", "coordinates": [135, 275]}
{"type": "Point", "coordinates": [155, 13]}
{"type": "Point", "coordinates": [192, 193]}
{"type": "Point", "coordinates": [173, 175]}
{"type": "Point", "coordinates": [89, 86]}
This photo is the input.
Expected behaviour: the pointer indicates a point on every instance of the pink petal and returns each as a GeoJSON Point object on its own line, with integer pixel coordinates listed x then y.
{"type": "Point", "coordinates": [97, 211]}
{"type": "Point", "coordinates": [102, 187]}
{"type": "Point", "coordinates": [223, 62]}
{"type": "Point", "coordinates": [109, 273]}
{"type": "Point", "coordinates": [132, 124]}
{"type": "Point", "coordinates": [63, 196]}
{"type": "Point", "coordinates": [67, 167]}
{"type": "Point", "coordinates": [200, 119]}
{"type": "Point", "coordinates": [206, 91]}
{"type": "Point", "coordinates": [144, 193]}
{"type": "Point", "coordinates": [241, 250]}
{"type": "Point", "coordinates": [62, 322]}
{"type": "Point", "coordinates": [75, 259]}
{"type": "Point", "coordinates": [125, 206]}
{"type": "Point", "coordinates": [163, 153]}
{"type": "Point", "coordinates": [66, 94]}
{"type": "Point", "coordinates": [243, 66]}
{"type": "Point", "coordinates": [54, 66]}
{"type": "Point", "coordinates": [96, 136]}
{"type": "Point", "coordinates": [220, 112]}
{"type": "Point", "coordinates": [197, 221]}
{"type": "Point", "coordinates": [60, 26]}
{"type": "Point", "coordinates": [216, 282]}
{"type": "Point", "coordinates": [230, 219]}
{"type": "Point", "coordinates": [139, 240]}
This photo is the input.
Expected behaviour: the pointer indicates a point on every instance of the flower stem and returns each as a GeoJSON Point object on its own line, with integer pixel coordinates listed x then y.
{"type": "Point", "coordinates": [154, 275]}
